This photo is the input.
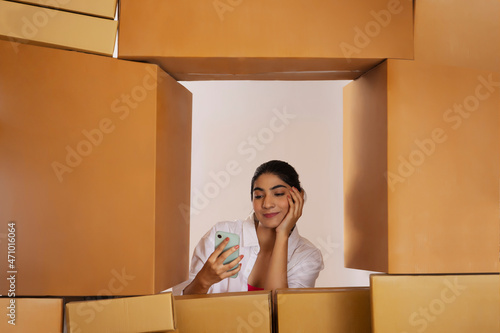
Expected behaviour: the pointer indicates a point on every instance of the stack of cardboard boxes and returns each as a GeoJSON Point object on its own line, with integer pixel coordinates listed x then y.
{"type": "Point", "coordinates": [421, 171]}
{"type": "Point", "coordinates": [84, 25]}
{"type": "Point", "coordinates": [95, 167]}
{"type": "Point", "coordinates": [259, 40]}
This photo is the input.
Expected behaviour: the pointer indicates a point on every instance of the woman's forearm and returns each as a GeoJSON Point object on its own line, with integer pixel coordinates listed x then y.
{"type": "Point", "coordinates": [195, 287]}
{"type": "Point", "coordinates": [277, 273]}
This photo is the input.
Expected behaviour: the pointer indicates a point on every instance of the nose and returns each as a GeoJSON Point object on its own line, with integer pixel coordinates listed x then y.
{"type": "Point", "coordinates": [268, 202]}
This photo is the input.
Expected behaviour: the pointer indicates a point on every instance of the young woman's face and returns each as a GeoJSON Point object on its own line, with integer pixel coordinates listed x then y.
{"type": "Point", "coordinates": [270, 201]}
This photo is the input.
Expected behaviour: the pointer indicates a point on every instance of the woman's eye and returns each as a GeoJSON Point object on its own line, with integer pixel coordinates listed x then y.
{"type": "Point", "coordinates": [257, 196]}
{"type": "Point", "coordinates": [279, 194]}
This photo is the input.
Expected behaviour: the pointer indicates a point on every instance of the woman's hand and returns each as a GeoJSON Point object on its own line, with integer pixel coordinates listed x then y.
{"type": "Point", "coordinates": [295, 205]}
{"type": "Point", "coordinates": [214, 269]}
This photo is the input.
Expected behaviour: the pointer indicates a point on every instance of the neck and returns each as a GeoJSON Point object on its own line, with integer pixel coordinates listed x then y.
{"type": "Point", "coordinates": [266, 237]}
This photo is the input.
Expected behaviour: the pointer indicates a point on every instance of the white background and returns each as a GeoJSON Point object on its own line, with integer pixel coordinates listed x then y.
{"type": "Point", "coordinates": [229, 115]}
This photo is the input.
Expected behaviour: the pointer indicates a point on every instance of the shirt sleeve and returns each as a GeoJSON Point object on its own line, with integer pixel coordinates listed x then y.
{"type": "Point", "coordinates": [304, 269]}
{"type": "Point", "coordinates": [201, 253]}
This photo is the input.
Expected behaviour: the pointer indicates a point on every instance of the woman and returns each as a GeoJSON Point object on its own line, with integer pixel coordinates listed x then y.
{"type": "Point", "coordinates": [272, 253]}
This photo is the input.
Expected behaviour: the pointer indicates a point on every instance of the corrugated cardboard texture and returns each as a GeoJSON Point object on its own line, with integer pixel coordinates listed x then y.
{"type": "Point", "coordinates": [228, 312]}
{"type": "Point", "coordinates": [441, 146]}
{"type": "Point", "coordinates": [102, 8]}
{"type": "Point", "coordinates": [324, 310]}
{"type": "Point", "coordinates": [319, 39]}
{"type": "Point", "coordinates": [458, 32]}
{"type": "Point", "coordinates": [43, 315]}
{"type": "Point", "coordinates": [153, 313]}
{"type": "Point", "coordinates": [95, 168]}
{"type": "Point", "coordinates": [20, 23]}
{"type": "Point", "coordinates": [436, 303]}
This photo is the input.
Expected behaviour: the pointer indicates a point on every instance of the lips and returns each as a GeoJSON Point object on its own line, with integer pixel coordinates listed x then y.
{"type": "Point", "coordinates": [268, 216]}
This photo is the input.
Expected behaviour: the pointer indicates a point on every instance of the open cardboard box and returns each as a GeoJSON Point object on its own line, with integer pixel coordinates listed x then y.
{"type": "Point", "coordinates": [421, 169]}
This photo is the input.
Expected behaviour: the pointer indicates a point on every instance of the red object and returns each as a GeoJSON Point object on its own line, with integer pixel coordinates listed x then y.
{"type": "Point", "coordinates": [252, 288]}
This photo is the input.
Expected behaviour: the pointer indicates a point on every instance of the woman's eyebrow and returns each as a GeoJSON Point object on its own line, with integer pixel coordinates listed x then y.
{"type": "Point", "coordinates": [272, 188]}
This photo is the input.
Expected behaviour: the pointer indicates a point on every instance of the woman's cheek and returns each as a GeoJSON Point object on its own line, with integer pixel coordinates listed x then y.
{"type": "Point", "coordinates": [284, 203]}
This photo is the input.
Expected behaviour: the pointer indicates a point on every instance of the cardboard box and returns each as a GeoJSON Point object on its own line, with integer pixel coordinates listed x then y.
{"type": "Point", "coordinates": [227, 312]}
{"type": "Point", "coordinates": [21, 23]}
{"type": "Point", "coordinates": [323, 310]}
{"type": "Point", "coordinates": [458, 33]}
{"type": "Point", "coordinates": [421, 169]}
{"type": "Point", "coordinates": [154, 313]}
{"type": "Point", "coordinates": [43, 315]}
{"type": "Point", "coordinates": [436, 303]}
{"type": "Point", "coordinates": [259, 40]}
{"type": "Point", "coordinates": [102, 8]}
{"type": "Point", "coordinates": [95, 171]}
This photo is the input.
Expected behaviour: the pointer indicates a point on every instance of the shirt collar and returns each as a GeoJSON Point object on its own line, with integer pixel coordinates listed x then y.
{"type": "Point", "coordinates": [249, 232]}
{"type": "Point", "coordinates": [250, 236]}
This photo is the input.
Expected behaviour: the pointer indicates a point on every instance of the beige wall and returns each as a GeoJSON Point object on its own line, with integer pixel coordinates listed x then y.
{"type": "Point", "coordinates": [228, 114]}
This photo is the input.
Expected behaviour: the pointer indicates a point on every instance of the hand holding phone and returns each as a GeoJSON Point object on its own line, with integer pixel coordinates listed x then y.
{"type": "Point", "coordinates": [216, 268]}
{"type": "Point", "coordinates": [234, 240]}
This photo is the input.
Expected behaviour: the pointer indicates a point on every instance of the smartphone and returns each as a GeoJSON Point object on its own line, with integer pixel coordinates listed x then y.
{"type": "Point", "coordinates": [234, 240]}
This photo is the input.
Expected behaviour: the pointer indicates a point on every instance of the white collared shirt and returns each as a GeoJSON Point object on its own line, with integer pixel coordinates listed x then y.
{"type": "Point", "coordinates": [304, 259]}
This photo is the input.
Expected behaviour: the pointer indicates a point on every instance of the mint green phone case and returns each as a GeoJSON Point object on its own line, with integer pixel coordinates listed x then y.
{"type": "Point", "coordinates": [233, 241]}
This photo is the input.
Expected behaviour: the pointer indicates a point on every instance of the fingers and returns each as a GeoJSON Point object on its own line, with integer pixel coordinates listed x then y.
{"type": "Point", "coordinates": [227, 253]}
{"type": "Point", "coordinates": [219, 249]}
{"type": "Point", "coordinates": [225, 270]}
{"type": "Point", "coordinates": [296, 201]}
{"type": "Point", "coordinates": [232, 264]}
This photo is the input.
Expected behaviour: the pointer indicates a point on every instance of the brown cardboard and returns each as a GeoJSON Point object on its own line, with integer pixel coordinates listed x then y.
{"type": "Point", "coordinates": [95, 169]}
{"type": "Point", "coordinates": [21, 23]}
{"type": "Point", "coordinates": [44, 315]}
{"type": "Point", "coordinates": [259, 40]}
{"type": "Point", "coordinates": [154, 313]}
{"type": "Point", "coordinates": [324, 310]}
{"type": "Point", "coordinates": [436, 303]}
{"type": "Point", "coordinates": [102, 8]}
{"type": "Point", "coordinates": [227, 312]}
{"type": "Point", "coordinates": [421, 169]}
{"type": "Point", "coordinates": [458, 33]}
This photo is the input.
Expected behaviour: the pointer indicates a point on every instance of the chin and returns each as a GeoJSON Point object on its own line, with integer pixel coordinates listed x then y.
{"type": "Point", "coordinates": [272, 223]}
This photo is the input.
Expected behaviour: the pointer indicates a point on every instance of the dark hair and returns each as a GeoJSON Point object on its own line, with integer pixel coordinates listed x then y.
{"type": "Point", "coordinates": [278, 168]}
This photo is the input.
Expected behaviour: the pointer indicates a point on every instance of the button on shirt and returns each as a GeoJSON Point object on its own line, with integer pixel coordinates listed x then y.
{"type": "Point", "coordinates": [304, 259]}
